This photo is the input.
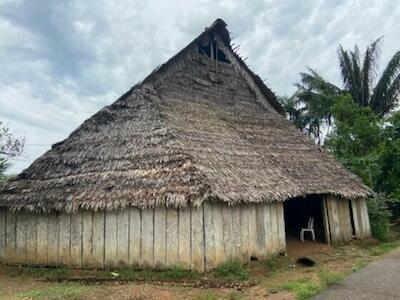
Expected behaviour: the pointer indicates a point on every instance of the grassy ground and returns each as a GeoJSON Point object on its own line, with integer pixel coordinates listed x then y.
{"type": "Point", "coordinates": [278, 278]}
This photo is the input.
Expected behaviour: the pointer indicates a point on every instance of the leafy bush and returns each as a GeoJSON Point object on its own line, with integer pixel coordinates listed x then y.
{"type": "Point", "coordinates": [379, 216]}
{"type": "Point", "coordinates": [231, 270]}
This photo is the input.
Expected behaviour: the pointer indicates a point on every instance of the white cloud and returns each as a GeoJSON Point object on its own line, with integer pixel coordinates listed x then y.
{"type": "Point", "coordinates": [61, 61]}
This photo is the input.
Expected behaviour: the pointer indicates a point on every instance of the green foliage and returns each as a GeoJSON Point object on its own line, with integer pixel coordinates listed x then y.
{"type": "Point", "coordinates": [379, 217]}
{"type": "Point", "coordinates": [357, 138]}
{"type": "Point", "coordinates": [328, 277]}
{"type": "Point", "coordinates": [303, 288]}
{"type": "Point", "coordinates": [231, 270]}
{"type": "Point", "coordinates": [62, 291]}
{"type": "Point", "coordinates": [176, 273]}
{"type": "Point", "coordinates": [272, 264]}
{"type": "Point", "coordinates": [384, 248]}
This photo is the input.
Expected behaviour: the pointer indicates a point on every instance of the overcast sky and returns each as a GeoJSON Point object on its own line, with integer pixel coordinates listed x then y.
{"type": "Point", "coordinates": [61, 61]}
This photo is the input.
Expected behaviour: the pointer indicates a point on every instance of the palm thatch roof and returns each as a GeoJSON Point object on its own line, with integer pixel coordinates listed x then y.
{"type": "Point", "coordinates": [197, 128]}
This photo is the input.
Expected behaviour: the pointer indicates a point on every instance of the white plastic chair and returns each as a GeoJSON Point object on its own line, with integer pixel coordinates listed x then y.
{"type": "Point", "coordinates": [310, 228]}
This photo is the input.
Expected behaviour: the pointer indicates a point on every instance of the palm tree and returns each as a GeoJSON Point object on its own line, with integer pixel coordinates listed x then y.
{"type": "Point", "coordinates": [359, 77]}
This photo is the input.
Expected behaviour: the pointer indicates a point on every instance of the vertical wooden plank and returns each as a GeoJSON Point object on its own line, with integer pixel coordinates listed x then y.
{"type": "Point", "coordinates": [344, 219]}
{"type": "Point", "coordinates": [111, 239]}
{"type": "Point", "coordinates": [147, 238]}
{"type": "Point", "coordinates": [253, 248]}
{"type": "Point", "coordinates": [172, 241]}
{"type": "Point", "coordinates": [123, 238]}
{"type": "Point", "coordinates": [244, 233]}
{"type": "Point", "coordinates": [333, 219]}
{"type": "Point", "coordinates": [268, 229]}
{"type": "Point", "coordinates": [76, 240]}
{"type": "Point", "coordinates": [197, 230]}
{"type": "Point", "coordinates": [185, 258]}
{"type": "Point", "coordinates": [325, 218]}
{"type": "Point", "coordinates": [235, 209]}
{"type": "Point", "coordinates": [31, 241]}
{"type": "Point", "coordinates": [361, 218]}
{"type": "Point", "coordinates": [134, 236]}
{"type": "Point", "coordinates": [355, 218]}
{"type": "Point", "coordinates": [261, 233]}
{"type": "Point", "coordinates": [273, 232]}
{"type": "Point", "coordinates": [281, 227]}
{"type": "Point", "coordinates": [98, 239]}
{"type": "Point", "coordinates": [218, 233]}
{"type": "Point", "coordinates": [160, 231]}
{"type": "Point", "coordinates": [20, 249]}
{"type": "Point", "coordinates": [41, 243]}
{"type": "Point", "coordinates": [11, 231]}
{"type": "Point", "coordinates": [209, 232]}
{"type": "Point", "coordinates": [53, 239]}
{"type": "Point", "coordinates": [3, 218]}
{"type": "Point", "coordinates": [87, 238]}
{"type": "Point", "coordinates": [227, 231]}
{"type": "Point", "coordinates": [65, 238]}
{"type": "Point", "coordinates": [368, 224]}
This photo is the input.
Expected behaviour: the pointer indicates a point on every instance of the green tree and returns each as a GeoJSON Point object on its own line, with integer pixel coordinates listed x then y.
{"type": "Point", "coordinates": [10, 146]}
{"type": "Point", "coordinates": [357, 138]}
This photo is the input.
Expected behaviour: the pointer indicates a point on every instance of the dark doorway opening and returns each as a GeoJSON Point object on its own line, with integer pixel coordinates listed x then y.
{"type": "Point", "coordinates": [297, 213]}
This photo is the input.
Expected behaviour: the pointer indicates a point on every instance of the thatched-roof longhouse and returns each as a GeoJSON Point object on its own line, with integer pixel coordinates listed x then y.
{"type": "Point", "coordinates": [191, 166]}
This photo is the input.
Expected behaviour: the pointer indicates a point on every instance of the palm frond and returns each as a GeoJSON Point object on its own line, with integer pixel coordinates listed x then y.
{"type": "Point", "coordinates": [369, 69]}
{"type": "Point", "coordinates": [382, 101]}
{"type": "Point", "coordinates": [356, 88]}
{"type": "Point", "coordinates": [345, 68]}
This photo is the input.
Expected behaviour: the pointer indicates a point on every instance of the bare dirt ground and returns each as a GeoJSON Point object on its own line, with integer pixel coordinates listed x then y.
{"type": "Point", "coordinates": [280, 278]}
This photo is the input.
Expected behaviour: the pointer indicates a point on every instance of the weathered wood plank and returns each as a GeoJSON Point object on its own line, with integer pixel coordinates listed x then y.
{"type": "Point", "coordinates": [20, 249]}
{"type": "Point", "coordinates": [273, 232]}
{"type": "Point", "coordinates": [160, 243]}
{"type": "Point", "coordinates": [244, 234]}
{"type": "Point", "coordinates": [172, 242]}
{"type": "Point", "coordinates": [134, 236]}
{"type": "Point", "coordinates": [344, 219]}
{"type": "Point", "coordinates": [11, 242]}
{"type": "Point", "coordinates": [185, 257]}
{"type": "Point", "coordinates": [236, 242]}
{"type": "Point", "coordinates": [209, 227]}
{"type": "Point", "coordinates": [98, 239]}
{"type": "Point", "coordinates": [111, 239]}
{"type": "Point", "coordinates": [218, 233]}
{"type": "Point", "coordinates": [253, 248]}
{"type": "Point", "coordinates": [367, 222]}
{"type": "Point", "coordinates": [53, 239]}
{"type": "Point", "coordinates": [31, 241]}
{"type": "Point", "coordinates": [355, 218]}
{"type": "Point", "coordinates": [65, 238]}
{"type": "Point", "coordinates": [87, 238]}
{"type": "Point", "coordinates": [333, 219]}
{"type": "Point", "coordinates": [268, 230]}
{"type": "Point", "coordinates": [41, 242]}
{"type": "Point", "coordinates": [3, 219]}
{"type": "Point", "coordinates": [76, 240]}
{"type": "Point", "coordinates": [261, 233]}
{"type": "Point", "coordinates": [147, 237]}
{"type": "Point", "coordinates": [123, 238]}
{"type": "Point", "coordinates": [281, 228]}
{"type": "Point", "coordinates": [197, 238]}
{"type": "Point", "coordinates": [227, 232]}
{"type": "Point", "coordinates": [325, 218]}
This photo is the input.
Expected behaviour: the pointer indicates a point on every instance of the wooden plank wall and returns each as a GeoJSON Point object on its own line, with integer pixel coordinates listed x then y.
{"type": "Point", "coordinates": [339, 217]}
{"type": "Point", "coordinates": [199, 238]}
{"type": "Point", "coordinates": [361, 219]}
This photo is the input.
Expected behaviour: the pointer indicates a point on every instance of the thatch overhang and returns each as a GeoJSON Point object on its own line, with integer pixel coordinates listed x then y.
{"type": "Point", "coordinates": [195, 129]}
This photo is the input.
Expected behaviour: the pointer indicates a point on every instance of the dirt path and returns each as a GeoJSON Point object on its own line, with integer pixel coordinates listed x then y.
{"type": "Point", "coordinates": [379, 280]}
